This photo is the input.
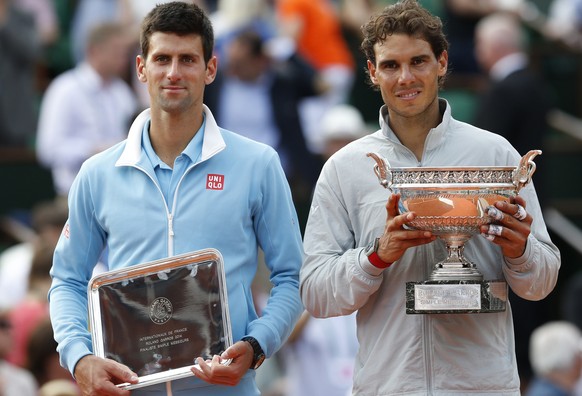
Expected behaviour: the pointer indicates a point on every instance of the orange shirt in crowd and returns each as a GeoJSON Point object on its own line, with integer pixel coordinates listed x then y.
{"type": "Point", "coordinates": [320, 40]}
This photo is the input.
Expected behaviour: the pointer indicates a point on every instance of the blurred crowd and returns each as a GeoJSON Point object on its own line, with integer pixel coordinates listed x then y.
{"type": "Point", "coordinates": [291, 75]}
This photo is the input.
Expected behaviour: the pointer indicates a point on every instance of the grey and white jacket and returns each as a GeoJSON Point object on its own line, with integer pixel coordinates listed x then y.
{"type": "Point", "coordinates": [427, 354]}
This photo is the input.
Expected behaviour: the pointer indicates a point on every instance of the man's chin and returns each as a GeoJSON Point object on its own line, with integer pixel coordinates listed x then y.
{"type": "Point", "coordinates": [174, 107]}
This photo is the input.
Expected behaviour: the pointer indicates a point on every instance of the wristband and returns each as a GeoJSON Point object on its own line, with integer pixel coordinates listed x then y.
{"type": "Point", "coordinates": [376, 261]}
{"type": "Point", "coordinates": [373, 258]}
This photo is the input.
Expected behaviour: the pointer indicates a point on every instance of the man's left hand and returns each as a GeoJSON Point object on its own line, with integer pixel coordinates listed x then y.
{"type": "Point", "coordinates": [215, 372]}
{"type": "Point", "coordinates": [510, 228]}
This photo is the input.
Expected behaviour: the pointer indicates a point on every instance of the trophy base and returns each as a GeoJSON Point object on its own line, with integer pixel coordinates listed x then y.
{"type": "Point", "coordinates": [456, 296]}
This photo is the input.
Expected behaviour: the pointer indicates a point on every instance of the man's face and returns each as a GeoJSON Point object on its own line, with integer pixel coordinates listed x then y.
{"type": "Point", "coordinates": [242, 64]}
{"type": "Point", "coordinates": [111, 57]}
{"type": "Point", "coordinates": [485, 50]}
{"type": "Point", "coordinates": [407, 72]}
{"type": "Point", "coordinates": [175, 72]}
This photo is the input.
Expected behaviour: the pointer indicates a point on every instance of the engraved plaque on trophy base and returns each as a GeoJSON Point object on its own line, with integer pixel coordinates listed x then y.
{"type": "Point", "coordinates": [158, 317]}
{"type": "Point", "coordinates": [456, 296]}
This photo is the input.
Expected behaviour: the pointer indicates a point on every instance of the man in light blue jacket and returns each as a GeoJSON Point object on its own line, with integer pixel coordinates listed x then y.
{"type": "Point", "coordinates": [180, 183]}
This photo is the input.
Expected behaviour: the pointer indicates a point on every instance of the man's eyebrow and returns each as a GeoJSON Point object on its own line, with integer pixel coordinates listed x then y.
{"type": "Point", "coordinates": [170, 52]}
{"type": "Point", "coordinates": [412, 58]}
{"type": "Point", "coordinates": [387, 61]}
{"type": "Point", "coordinates": [420, 57]}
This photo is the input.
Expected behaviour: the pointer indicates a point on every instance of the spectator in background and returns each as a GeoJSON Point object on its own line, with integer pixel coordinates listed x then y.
{"type": "Point", "coordinates": [48, 220]}
{"type": "Point", "coordinates": [235, 16]}
{"type": "Point", "coordinates": [88, 14]}
{"type": "Point", "coordinates": [59, 387]}
{"type": "Point", "coordinates": [461, 18]}
{"type": "Point", "coordinates": [571, 306]}
{"type": "Point", "coordinates": [556, 357]}
{"type": "Point", "coordinates": [319, 356]}
{"type": "Point", "coordinates": [564, 22]}
{"type": "Point", "coordinates": [57, 56]}
{"type": "Point", "coordinates": [341, 125]}
{"type": "Point", "coordinates": [88, 108]}
{"type": "Point", "coordinates": [517, 101]}
{"type": "Point", "coordinates": [258, 96]}
{"type": "Point", "coordinates": [33, 309]}
{"type": "Point", "coordinates": [314, 26]}
{"type": "Point", "coordinates": [42, 358]}
{"type": "Point", "coordinates": [45, 18]}
{"type": "Point", "coordinates": [20, 46]}
{"type": "Point", "coordinates": [14, 380]}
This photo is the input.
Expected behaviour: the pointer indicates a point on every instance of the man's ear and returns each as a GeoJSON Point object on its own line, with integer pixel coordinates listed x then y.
{"type": "Point", "coordinates": [211, 69]}
{"type": "Point", "coordinates": [372, 72]}
{"type": "Point", "coordinates": [443, 61]}
{"type": "Point", "coordinates": [140, 68]}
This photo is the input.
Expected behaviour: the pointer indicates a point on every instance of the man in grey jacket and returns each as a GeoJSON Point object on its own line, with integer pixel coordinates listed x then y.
{"type": "Point", "coordinates": [427, 354]}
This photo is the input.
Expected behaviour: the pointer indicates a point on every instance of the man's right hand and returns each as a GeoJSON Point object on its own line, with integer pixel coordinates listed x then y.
{"type": "Point", "coordinates": [396, 239]}
{"type": "Point", "coordinates": [98, 376]}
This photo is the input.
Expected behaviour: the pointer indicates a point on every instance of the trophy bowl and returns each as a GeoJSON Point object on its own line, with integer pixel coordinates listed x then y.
{"type": "Point", "coordinates": [452, 203]}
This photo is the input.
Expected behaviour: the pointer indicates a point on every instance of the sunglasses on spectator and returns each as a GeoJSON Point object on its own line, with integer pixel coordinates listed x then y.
{"type": "Point", "coordinates": [5, 324]}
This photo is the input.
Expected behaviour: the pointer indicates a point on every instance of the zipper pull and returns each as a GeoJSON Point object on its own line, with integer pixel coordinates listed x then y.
{"type": "Point", "coordinates": [171, 224]}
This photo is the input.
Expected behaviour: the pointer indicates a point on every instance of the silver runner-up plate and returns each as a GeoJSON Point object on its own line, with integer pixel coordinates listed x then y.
{"type": "Point", "coordinates": [158, 317]}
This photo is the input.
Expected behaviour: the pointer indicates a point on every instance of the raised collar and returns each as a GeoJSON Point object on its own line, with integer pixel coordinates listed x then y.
{"type": "Point", "coordinates": [132, 153]}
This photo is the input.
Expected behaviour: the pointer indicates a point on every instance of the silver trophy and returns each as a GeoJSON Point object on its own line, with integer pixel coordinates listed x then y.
{"type": "Point", "coordinates": [452, 203]}
{"type": "Point", "coordinates": [158, 317]}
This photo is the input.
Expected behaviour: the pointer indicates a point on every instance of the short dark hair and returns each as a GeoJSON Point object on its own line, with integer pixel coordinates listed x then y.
{"type": "Point", "coordinates": [405, 17]}
{"type": "Point", "coordinates": [180, 18]}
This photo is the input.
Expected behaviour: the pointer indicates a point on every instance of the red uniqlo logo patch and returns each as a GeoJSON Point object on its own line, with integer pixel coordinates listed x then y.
{"type": "Point", "coordinates": [214, 182]}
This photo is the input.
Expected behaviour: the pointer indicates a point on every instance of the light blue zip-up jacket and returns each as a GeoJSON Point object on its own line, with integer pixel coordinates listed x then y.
{"type": "Point", "coordinates": [115, 202]}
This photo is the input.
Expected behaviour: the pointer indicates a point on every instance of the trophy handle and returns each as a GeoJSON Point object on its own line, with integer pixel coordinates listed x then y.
{"type": "Point", "coordinates": [525, 170]}
{"type": "Point", "coordinates": [382, 170]}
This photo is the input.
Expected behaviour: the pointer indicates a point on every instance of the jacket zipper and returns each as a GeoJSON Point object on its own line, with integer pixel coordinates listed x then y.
{"type": "Point", "coordinates": [427, 320]}
{"type": "Point", "coordinates": [170, 234]}
{"type": "Point", "coordinates": [169, 214]}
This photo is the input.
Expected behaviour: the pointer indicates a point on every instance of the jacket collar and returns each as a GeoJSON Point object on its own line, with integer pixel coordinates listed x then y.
{"type": "Point", "coordinates": [132, 153]}
{"type": "Point", "coordinates": [436, 135]}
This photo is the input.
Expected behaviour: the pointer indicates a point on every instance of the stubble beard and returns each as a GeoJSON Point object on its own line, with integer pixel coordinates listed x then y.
{"type": "Point", "coordinates": [175, 105]}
